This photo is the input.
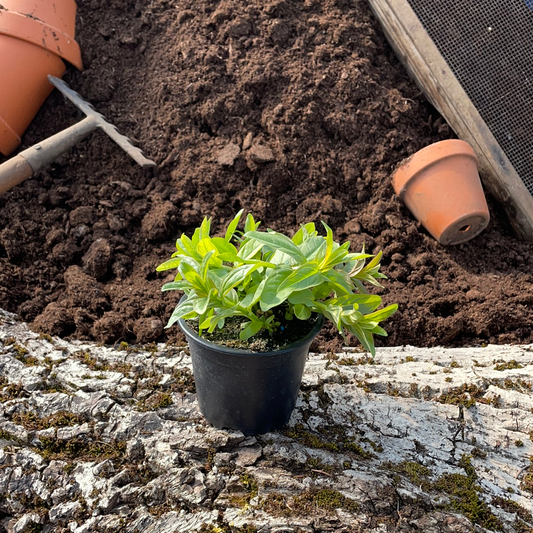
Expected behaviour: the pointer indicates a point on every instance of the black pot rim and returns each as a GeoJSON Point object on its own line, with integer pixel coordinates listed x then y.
{"type": "Point", "coordinates": [233, 351]}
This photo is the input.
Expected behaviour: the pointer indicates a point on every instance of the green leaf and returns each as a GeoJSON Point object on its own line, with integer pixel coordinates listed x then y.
{"type": "Point", "coordinates": [382, 314]}
{"type": "Point", "coordinates": [302, 312]}
{"type": "Point", "coordinates": [176, 286]}
{"type": "Point", "coordinates": [302, 278]}
{"type": "Point", "coordinates": [233, 226]}
{"type": "Point", "coordinates": [380, 331]}
{"type": "Point", "coordinates": [205, 246]}
{"type": "Point", "coordinates": [269, 296]}
{"type": "Point", "coordinates": [195, 239]}
{"type": "Point", "coordinates": [249, 249]}
{"type": "Point", "coordinates": [250, 224]}
{"type": "Point", "coordinates": [277, 241]}
{"type": "Point", "coordinates": [365, 338]}
{"type": "Point", "coordinates": [211, 322]}
{"type": "Point", "coordinates": [312, 247]}
{"type": "Point", "coordinates": [205, 265]}
{"type": "Point", "coordinates": [191, 275]}
{"type": "Point", "coordinates": [183, 310]}
{"type": "Point", "coordinates": [305, 232]}
{"type": "Point", "coordinates": [339, 281]}
{"type": "Point", "coordinates": [223, 246]}
{"type": "Point", "coordinates": [329, 243]}
{"type": "Point", "coordinates": [338, 256]}
{"type": "Point", "coordinates": [253, 296]}
{"type": "Point", "coordinates": [189, 249]}
{"type": "Point", "coordinates": [302, 297]}
{"type": "Point", "coordinates": [205, 228]}
{"type": "Point", "coordinates": [364, 303]}
{"type": "Point", "coordinates": [200, 304]}
{"type": "Point", "coordinates": [250, 330]}
{"type": "Point", "coordinates": [167, 265]}
{"type": "Point", "coordinates": [236, 277]}
{"type": "Point", "coordinates": [281, 258]}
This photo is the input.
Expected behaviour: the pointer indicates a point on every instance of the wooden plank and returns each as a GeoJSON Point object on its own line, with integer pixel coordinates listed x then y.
{"type": "Point", "coordinates": [427, 67]}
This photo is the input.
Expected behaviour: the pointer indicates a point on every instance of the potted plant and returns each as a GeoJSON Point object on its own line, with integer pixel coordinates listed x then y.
{"type": "Point", "coordinates": [251, 310]}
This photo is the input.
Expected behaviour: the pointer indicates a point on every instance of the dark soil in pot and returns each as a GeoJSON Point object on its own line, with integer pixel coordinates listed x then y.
{"type": "Point", "coordinates": [296, 111]}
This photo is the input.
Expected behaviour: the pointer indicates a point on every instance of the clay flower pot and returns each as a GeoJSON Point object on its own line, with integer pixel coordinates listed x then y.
{"type": "Point", "coordinates": [440, 185]}
{"type": "Point", "coordinates": [35, 35]}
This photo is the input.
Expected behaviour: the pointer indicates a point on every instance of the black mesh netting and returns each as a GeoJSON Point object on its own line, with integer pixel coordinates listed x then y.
{"type": "Point", "coordinates": [489, 47]}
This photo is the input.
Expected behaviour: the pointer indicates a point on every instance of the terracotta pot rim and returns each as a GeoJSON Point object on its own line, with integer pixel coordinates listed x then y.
{"type": "Point", "coordinates": [7, 133]}
{"type": "Point", "coordinates": [426, 157]}
{"type": "Point", "coordinates": [40, 34]}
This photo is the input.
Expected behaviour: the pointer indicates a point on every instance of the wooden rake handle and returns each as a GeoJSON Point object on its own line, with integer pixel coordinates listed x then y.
{"type": "Point", "coordinates": [40, 155]}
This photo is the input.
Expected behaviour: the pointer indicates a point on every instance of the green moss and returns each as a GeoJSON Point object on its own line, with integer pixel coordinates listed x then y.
{"type": "Point", "coordinates": [356, 448]}
{"type": "Point", "coordinates": [527, 480]}
{"type": "Point", "coordinates": [415, 472]}
{"type": "Point", "coordinates": [89, 360]}
{"type": "Point", "coordinates": [184, 381]}
{"type": "Point", "coordinates": [519, 384]}
{"type": "Point", "coordinates": [34, 527]}
{"type": "Point", "coordinates": [21, 353]}
{"type": "Point", "coordinates": [409, 359]}
{"type": "Point", "coordinates": [350, 361]}
{"type": "Point", "coordinates": [509, 365]}
{"type": "Point", "coordinates": [6, 435]}
{"type": "Point", "coordinates": [46, 337]}
{"type": "Point", "coordinates": [394, 391]}
{"type": "Point", "coordinates": [60, 419]}
{"type": "Point", "coordinates": [476, 452]}
{"type": "Point", "coordinates": [250, 486]}
{"type": "Point", "coordinates": [34, 503]}
{"type": "Point", "coordinates": [12, 392]}
{"type": "Point", "coordinates": [332, 438]}
{"type": "Point", "coordinates": [327, 499]}
{"type": "Point", "coordinates": [461, 488]}
{"type": "Point", "coordinates": [158, 400]}
{"type": "Point", "coordinates": [300, 434]}
{"type": "Point", "coordinates": [315, 467]}
{"type": "Point", "coordinates": [466, 395]}
{"type": "Point", "coordinates": [512, 507]}
{"type": "Point", "coordinates": [308, 503]}
{"type": "Point", "coordinates": [81, 449]}
{"type": "Point", "coordinates": [413, 391]}
{"type": "Point", "coordinates": [464, 493]}
{"type": "Point", "coordinates": [159, 510]}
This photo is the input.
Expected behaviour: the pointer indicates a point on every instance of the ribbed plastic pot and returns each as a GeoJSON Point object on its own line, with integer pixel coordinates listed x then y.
{"type": "Point", "coordinates": [440, 185]}
{"type": "Point", "coordinates": [251, 392]}
{"type": "Point", "coordinates": [35, 37]}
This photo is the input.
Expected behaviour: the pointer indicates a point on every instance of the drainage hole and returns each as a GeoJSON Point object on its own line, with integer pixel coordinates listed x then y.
{"type": "Point", "coordinates": [465, 228]}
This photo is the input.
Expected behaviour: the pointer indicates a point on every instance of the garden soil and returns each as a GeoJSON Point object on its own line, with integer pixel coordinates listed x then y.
{"type": "Point", "coordinates": [295, 111]}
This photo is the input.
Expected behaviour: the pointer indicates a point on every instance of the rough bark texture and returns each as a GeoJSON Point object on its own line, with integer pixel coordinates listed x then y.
{"type": "Point", "coordinates": [294, 110]}
{"type": "Point", "coordinates": [110, 439]}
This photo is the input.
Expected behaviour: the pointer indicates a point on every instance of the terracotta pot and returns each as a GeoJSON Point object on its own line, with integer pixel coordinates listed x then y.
{"type": "Point", "coordinates": [35, 35]}
{"type": "Point", "coordinates": [440, 185]}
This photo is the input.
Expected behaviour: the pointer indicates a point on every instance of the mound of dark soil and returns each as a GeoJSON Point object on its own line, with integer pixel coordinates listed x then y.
{"type": "Point", "coordinates": [294, 110]}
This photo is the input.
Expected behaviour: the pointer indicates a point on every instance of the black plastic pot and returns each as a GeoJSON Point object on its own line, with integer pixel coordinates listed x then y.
{"type": "Point", "coordinates": [251, 392]}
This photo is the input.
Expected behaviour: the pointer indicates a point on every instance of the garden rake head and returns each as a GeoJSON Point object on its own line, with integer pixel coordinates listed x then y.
{"type": "Point", "coordinates": [39, 156]}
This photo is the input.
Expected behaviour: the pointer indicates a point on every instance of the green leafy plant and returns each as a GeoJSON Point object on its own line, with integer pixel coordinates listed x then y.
{"type": "Point", "coordinates": [262, 270]}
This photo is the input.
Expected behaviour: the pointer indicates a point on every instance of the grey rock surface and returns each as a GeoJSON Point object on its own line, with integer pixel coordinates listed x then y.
{"type": "Point", "coordinates": [108, 439]}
